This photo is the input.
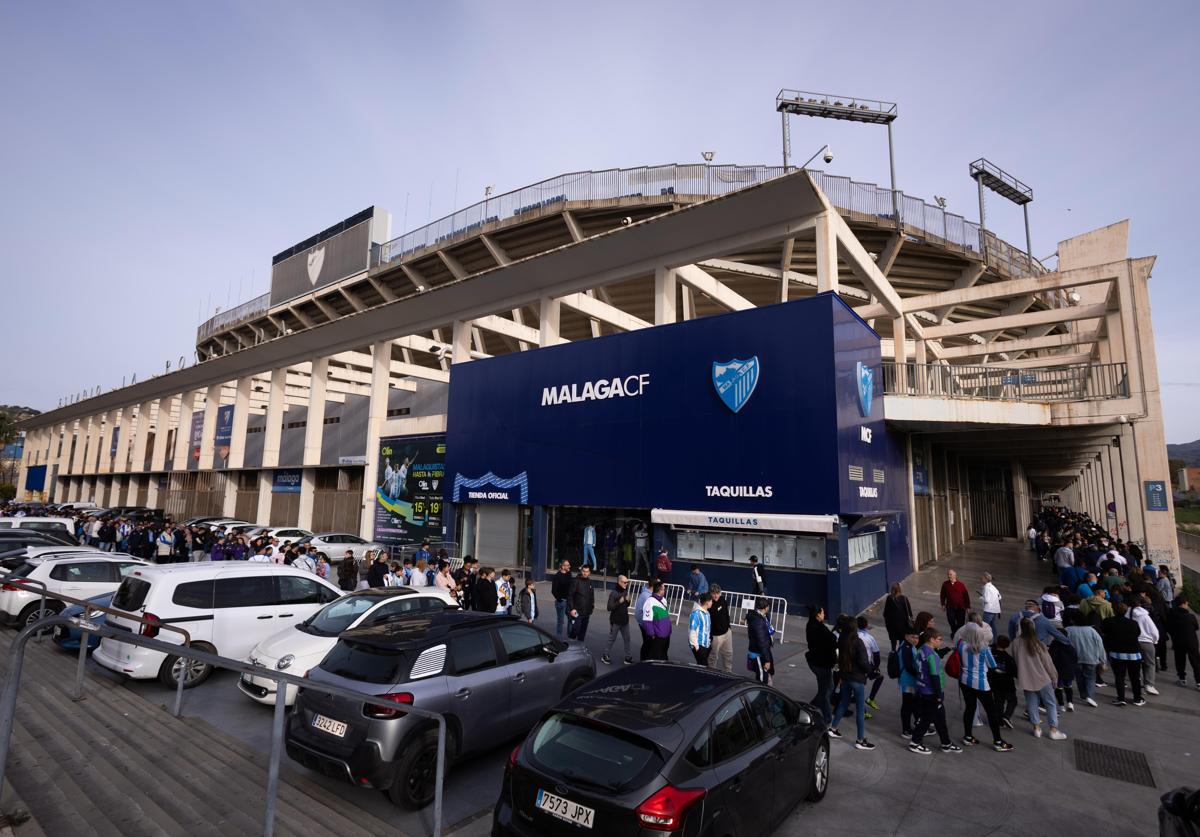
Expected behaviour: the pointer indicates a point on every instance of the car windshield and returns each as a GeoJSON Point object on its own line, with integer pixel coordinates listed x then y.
{"type": "Point", "coordinates": [366, 663]}
{"type": "Point", "coordinates": [337, 616]}
{"type": "Point", "coordinates": [22, 571]}
{"type": "Point", "coordinates": [592, 754]}
{"type": "Point", "coordinates": [131, 594]}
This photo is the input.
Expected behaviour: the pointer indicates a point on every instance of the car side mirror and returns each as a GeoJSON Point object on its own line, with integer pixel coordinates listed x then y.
{"type": "Point", "coordinates": [550, 651]}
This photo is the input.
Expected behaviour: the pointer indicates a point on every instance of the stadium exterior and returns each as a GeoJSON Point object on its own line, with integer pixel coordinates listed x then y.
{"type": "Point", "coordinates": [610, 359]}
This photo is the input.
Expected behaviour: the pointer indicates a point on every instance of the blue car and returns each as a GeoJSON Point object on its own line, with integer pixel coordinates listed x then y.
{"type": "Point", "coordinates": [67, 636]}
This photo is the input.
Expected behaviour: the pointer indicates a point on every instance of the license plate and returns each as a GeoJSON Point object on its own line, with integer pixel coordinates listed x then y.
{"type": "Point", "coordinates": [565, 809]}
{"type": "Point", "coordinates": [329, 725]}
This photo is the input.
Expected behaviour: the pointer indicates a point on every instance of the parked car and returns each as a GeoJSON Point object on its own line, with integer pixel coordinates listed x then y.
{"type": "Point", "coordinates": [11, 559]}
{"type": "Point", "coordinates": [302, 646]}
{"type": "Point", "coordinates": [68, 637]}
{"type": "Point", "coordinates": [226, 607]}
{"type": "Point", "coordinates": [492, 676]}
{"type": "Point", "coordinates": [80, 573]}
{"type": "Point", "coordinates": [12, 538]}
{"type": "Point", "coordinates": [333, 545]}
{"type": "Point", "coordinates": [665, 747]}
{"type": "Point", "coordinates": [284, 533]}
{"type": "Point", "coordinates": [61, 526]}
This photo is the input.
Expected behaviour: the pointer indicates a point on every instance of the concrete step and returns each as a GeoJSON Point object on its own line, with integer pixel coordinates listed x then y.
{"type": "Point", "coordinates": [153, 774]}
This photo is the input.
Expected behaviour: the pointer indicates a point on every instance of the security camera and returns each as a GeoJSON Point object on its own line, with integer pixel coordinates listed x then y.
{"type": "Point", "coordinates": [827, 156]}
{"type": "Point", "coordinates": [626, 221]}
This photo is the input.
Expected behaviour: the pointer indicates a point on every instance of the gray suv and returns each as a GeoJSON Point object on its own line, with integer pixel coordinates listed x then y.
{"type": "Point", "coordinates": [493, 677]}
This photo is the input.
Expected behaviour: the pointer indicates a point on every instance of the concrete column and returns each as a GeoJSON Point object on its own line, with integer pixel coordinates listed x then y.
{"type": "Point", "coordinates": [460, 342]}
{"type": "Point", "coordinates": [183, 431]}
{"type": "Point", "coordinates": [212, 401]}
{"type": "Point", "coordinates": [314, 430]}
{"type": "Point", "coordinates": [308, 487]}
{"type": "Point", "coordinates": [900, 351]}
{"type": "Point", "coordinates": [381, 365]}
{"type": "Point", "coordinates": [152, 490]}
{"type": "Point", "coordinates": [827, 257]}
{"type": "Point", "coordinates": [550, 312]}
{"type": "Point", "coordinates": [266, 479]}
{"type": "Point", "coordinates": [664, 295]}
{"type": "Point", "coordinates": [162, 427]}
{"type": "Point", "coordinates": [124, 442]}
{"type": "Point", "coordinates": [229, 501]}
{"type": "Point", "coordinates": [78, 439]}
{"type": "Point", "coordinates": [91, 461]}
{"type": "Point", "coordinates": [141, 439]}
{"type": "Point", "coordinates": [241, 415]}
{"type": "Point", "coordinates": [273, 428]}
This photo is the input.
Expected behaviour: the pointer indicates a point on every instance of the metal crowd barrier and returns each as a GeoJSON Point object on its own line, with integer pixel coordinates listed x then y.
{"type": "Point", "coordinates": [675, 596]}
{"type": "Point", "coordinates": [741, 604]}
{"type": "Point", "coordinates": [8, 701]}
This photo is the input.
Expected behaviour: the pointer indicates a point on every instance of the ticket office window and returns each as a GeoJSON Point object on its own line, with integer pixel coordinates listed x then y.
{"type": "Point", "coordinates": [785, 552]}
{"type": "Point", "coordinates": [863, 549]}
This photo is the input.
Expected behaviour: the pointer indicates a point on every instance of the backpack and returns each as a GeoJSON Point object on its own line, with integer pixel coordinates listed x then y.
{"type": "Point", "coordinates": [953, 666]}
{"type": "Point", "coordinates": [893, 665]}
{"type": "Point", "coordinates": [908, 660]}
{"type": "Point", "coordinates": [664, 563]}
{"type": "Point", "coordinates": [1049, 610]}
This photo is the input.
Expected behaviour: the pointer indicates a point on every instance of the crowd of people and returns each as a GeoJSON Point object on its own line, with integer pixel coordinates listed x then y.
{"type": "Point", "coordinates": [1109, 612]}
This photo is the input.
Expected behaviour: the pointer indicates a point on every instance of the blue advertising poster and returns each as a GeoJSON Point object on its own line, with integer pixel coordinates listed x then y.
{"type": "Point", "coordinates": [286, 481]}
{"type": "Point", "coordinates": [197, 432]}
{"type": "Point", "coordinates": [408, 497]}
{"type": "Point", "coordinates": [1156, 495]}
{"type": "Point", "coordinates": [112, 449]}
{"type": "Point", "coordinates": [224, 434]}
{"type": "Point", "coordinates": [35, 478]}
{"type": "Point", "coordinates": [920, 473]}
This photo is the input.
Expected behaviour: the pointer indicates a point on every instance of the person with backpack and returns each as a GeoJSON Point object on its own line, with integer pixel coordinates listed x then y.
{"type": "Point", "coordinates": [975, 661]}
{"type": "Point", "coordinates": [931, 695]}
{"type": "Point", "coordinates": [527, 607]}
{"type": "Point", "coordinates": [759, 659]}
{"type": "Point", "coordinates": [821, 658]}
{"type": "Point", "coordinates": [897, 616]}
{"type": "Point", "coordinates": [1036, 677]}
{"type": "Point", "coordinates": [662, 564]}
{"type": "Point", "coordinates": [1045, 629]}
{"type": "Point", "coordinates": [1051, 605]}
{"type": "Point", "coordinates": [1089, 653]}
{"type": "Point", "coordinates": [854, 663]}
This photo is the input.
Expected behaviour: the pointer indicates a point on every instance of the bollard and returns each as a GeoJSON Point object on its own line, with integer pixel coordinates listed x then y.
{"type": "Point", "coordinates": [83, 645]}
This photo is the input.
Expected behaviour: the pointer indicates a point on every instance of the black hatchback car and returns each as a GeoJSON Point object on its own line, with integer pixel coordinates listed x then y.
{"type": "Point", "coordinates": [662, 747]}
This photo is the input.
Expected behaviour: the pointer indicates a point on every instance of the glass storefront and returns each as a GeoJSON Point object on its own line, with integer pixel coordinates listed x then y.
{"type": "Point", "coordinates": [620, 539]}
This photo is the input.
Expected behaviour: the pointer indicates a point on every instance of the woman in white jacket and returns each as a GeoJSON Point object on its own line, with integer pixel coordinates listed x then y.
{"type": "Point", "coordinates": [1147, 639]}
{"type": "Point", "coordinates": [989, 598]}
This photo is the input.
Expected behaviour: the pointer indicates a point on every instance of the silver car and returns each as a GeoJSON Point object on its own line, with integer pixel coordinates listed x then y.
{"type": "Point", "coordinates": [333, 545]}
{"type": "Point", "coordinates": [493, 677]}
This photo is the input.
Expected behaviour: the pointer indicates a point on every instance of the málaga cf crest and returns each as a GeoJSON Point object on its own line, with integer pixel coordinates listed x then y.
{"type": "Point", "coordinates": [735, 381]}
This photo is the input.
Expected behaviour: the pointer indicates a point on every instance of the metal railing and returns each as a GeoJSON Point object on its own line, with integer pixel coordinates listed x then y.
{"type": "Point", "coordinates": [1082, 382]}
{"type": "Point", "coordinates": [743, 603]}
{"type": "Point", "coordinates": [1188, 540]}
{"type": "Point", "coordinates": [668, 183]}
{"type": "Point", "coordinates": [8, 701]}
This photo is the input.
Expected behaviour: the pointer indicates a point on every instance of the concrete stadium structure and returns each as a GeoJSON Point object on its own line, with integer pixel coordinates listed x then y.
{"type": "Point", "coordinates": [1005, 380]}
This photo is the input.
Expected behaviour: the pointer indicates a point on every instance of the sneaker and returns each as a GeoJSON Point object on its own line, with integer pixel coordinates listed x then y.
{"type": "Point", "coordinates": [1119, 703]}
{"type": "Point", "coordinates": [1037, 732]}
{"type": "Point", "coordinates": [1025, 715]}
{"type": "Point", "coordinates": [867, 716]}
{"type": "Point", "coordinates": [1150, 690]}
{"type": "Point", "coordinates": [1182, 682]}
{"type": "Point", "coordinates": [1070, 707]}
{"type": "Point", "coordinates": [919, 748]}
{"type": "Point", "coordinates": [1140, 702]}
{"type": "Point", "coordinates": [1005, 722]}
{"type": "Point", "coordinates": [863, 744]}
{"type": "Point", "coordinates": [951, 748]}
{"type": "Point", "coordinates": [629, 661]}
{"type": "Point", "coordinates": [1002, 747]}
{"type": "Point", "coordinates": [906, 733]}
{"type": "Point", "coordinates": [1057, 735]}
{"type": "Point", "coordinates": [1100, 684]}
{"type": "Point", "coordinates": [970, 741]}
{"type": "Point", "coordinates": [833, 733]}
{"type": "Point", "coordinates": [606, 660]}
{"type": "Point", "coordinates": [872, 704]}
{"type": "Point", "coordinates": [1090, 702]}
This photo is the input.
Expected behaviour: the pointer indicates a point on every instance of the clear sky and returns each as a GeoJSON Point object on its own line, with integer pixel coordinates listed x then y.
{"type": "Point", "coordinates": [155, 155]}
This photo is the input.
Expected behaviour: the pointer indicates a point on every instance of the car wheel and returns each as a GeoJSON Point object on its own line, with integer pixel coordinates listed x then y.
{"type": "Point", "coordinates": [574, 683]}
{"type": "Point", "coordinates": [35, 613]}
{"type": "Point", "coordinates": [820, 773]}
{"type": "Point", "coordinates": [193, 672]}
{"type": "Point", "coordinates": [416, 774]}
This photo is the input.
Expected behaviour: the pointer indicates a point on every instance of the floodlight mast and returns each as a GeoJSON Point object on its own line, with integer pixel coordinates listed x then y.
{"type": "Point", "coordinates": [848, 108]}
{"type": "Point", "coordinates": [988, 174]}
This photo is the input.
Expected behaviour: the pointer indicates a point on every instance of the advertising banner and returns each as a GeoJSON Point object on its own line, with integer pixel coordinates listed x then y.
{"type": "Point", "coordinates": [286, 481]}
{"type": "Point", "coordinates": [408, 496]}
{"type": "Point", "coordinates": [197, 433]}
{"type": "Point", "coordinates": [1156, 495]}
{"type": "Point", "coordinates": [920, 473]}
{"type": "Point", "coordinates": [112, 450]}
{"type": "Point", "coordinates": [224, 434]}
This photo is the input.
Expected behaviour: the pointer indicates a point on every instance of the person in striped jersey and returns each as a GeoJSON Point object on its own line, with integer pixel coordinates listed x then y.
{"type": "Point", "coordinates": [977, 661]}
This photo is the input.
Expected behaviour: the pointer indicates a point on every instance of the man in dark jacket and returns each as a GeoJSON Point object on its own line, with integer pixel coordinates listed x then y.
{"type": "Point", "coordinates": [486, 599]}
{"type": "Point", "coordinates": [721, 655]}
{"type": "Point", "coordinates": [618, 619]}
{"type": "Point", "coordinates": [1183, 627]}
{"type": "Point", "coordinates": [464, 579]}
{"type": "Point", "coordinates": [560, 589]}
{"type": "Point", "coordinates": [582, 603]}
{"type": "Point", "coordinates": [758, 633]}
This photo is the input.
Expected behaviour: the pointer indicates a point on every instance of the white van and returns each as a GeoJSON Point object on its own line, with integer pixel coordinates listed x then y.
{"type": "Point", "coordinates": [54, 525]}
{"type": "Point", "coordinates": [227, 608]}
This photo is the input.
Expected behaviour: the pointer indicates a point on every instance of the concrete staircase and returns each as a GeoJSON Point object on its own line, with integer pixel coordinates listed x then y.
{"type": "Point", "coordinates": [117, 765]}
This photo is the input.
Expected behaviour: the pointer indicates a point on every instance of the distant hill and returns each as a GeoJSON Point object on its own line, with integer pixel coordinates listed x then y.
{"type": "Point", "coordinates": [14, 413]}
{"type": "Point", "coordinates": [1188, 452]}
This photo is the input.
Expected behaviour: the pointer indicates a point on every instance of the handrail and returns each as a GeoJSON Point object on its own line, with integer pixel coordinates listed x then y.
{"type": "Point", "coordinates": [1048, 384]}
{"type": "Point", "coordinates": [8, 700]}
